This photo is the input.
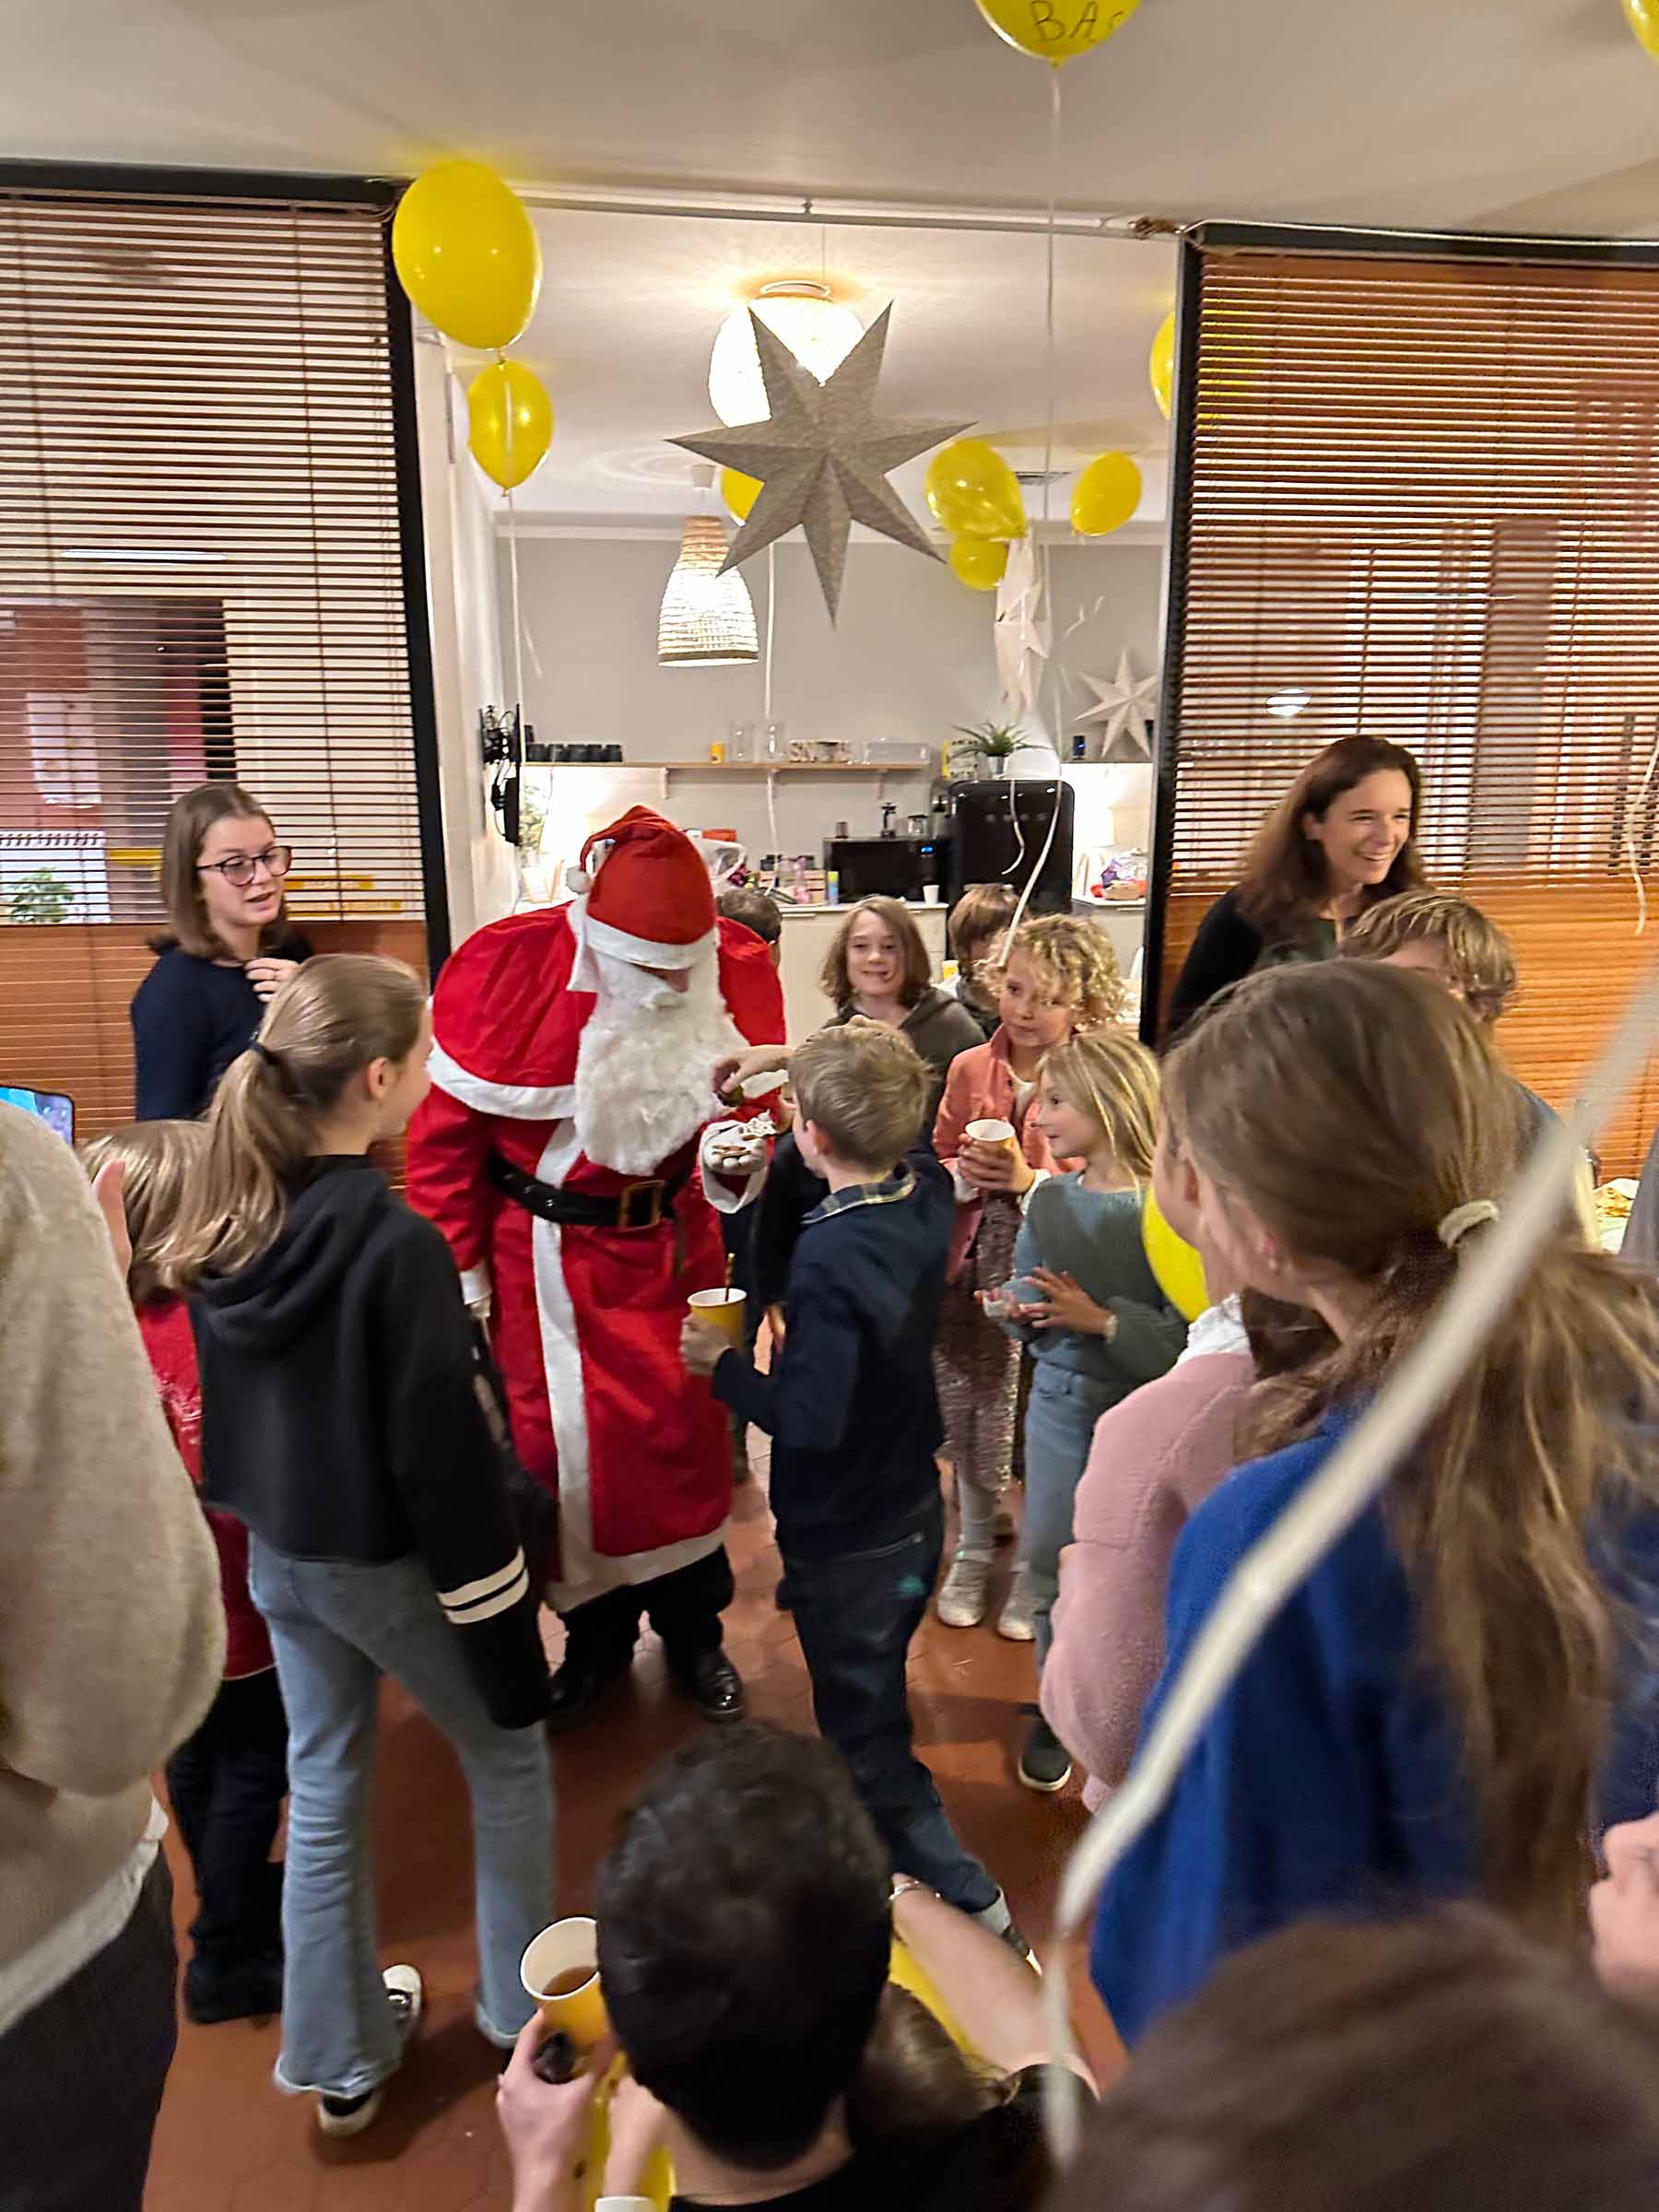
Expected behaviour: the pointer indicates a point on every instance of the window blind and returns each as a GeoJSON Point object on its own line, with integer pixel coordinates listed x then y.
{"type": "Point", "coordinates": [1421, 503]}
{"type": "Point", "coordinates": [202, 576]}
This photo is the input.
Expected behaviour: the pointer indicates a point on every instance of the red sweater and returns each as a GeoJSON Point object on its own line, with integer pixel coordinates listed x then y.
{"type": "Point", "coordinates": [171, 1343]}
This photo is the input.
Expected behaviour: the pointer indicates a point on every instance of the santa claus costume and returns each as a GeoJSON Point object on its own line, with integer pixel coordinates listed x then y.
{"type": "Point", "coordinates": [573, 1052]}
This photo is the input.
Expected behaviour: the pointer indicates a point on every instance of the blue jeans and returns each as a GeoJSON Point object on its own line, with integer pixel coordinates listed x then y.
{"type": "Point", "coordinates": [855, 1615]}
{"type": "Point", "coordinates": [336, 1628]}
{"type": "Point", "coordinates": [1060, 1426]}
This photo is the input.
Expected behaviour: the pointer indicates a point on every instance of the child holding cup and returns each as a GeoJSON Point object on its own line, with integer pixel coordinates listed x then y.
{"type": "Point", "coordinates": [1057, 978]}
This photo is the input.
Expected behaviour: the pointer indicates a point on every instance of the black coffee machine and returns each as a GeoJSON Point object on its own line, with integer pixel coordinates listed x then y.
{"type": "Point", "coordinates": [1000, 828]}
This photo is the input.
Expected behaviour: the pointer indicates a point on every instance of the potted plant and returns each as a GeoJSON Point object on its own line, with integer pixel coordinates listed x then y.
{"type": "Point", "coordinates": [995, 743]}
{"type": "Point", "coordinates": [40, 897]}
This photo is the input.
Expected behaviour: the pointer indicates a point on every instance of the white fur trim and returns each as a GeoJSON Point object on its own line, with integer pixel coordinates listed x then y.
{"type": "Point", "coordinates": [512, 1102]}
{"type": "Point", "coordinates": [584, 1573]}
{"type": "Point", "coordinates": [641, 952]}
{"type": "Point", "coordinates": [725, 1201]}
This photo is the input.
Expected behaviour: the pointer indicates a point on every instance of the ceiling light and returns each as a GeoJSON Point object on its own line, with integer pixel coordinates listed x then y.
{"type": "Point", "coordinates": [1287, 705]}
{"type": "Point", "coordinates": [817, 330]}
{"type": "Point", "coordinates": [708, 619]}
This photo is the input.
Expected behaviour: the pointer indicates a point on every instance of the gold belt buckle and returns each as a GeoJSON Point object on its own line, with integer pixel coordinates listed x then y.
{"type": "Point", "coordinates": [625, 1210]}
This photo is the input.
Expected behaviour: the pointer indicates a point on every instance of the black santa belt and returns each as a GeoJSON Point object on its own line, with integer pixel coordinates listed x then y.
{"type": "Point", "coordinates": [638, 1205]}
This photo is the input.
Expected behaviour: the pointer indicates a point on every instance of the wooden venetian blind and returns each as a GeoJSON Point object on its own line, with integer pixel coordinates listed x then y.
{"type": "Point", "coordinates": [1424, 505]}
{"type": "Point", "coordinates": [200, 578]}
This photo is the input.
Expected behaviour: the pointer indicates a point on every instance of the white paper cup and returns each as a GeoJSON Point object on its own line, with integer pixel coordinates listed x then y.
{"type": "Point", "coordinates": [930, 894]}
{"type": "Point", "coordinates": [991, 1133]}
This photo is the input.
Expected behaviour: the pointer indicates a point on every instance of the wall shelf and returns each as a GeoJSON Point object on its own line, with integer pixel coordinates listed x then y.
{"type": "Point", "coordinates": [754, 768]}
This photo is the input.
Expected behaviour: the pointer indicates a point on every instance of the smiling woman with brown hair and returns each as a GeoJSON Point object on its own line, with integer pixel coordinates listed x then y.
{"type": "Point", "coordinates": [1342, 838]}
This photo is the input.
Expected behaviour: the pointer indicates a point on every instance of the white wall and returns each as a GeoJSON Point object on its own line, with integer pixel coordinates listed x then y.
{"type": "Point", "coordinates": [912, 656]}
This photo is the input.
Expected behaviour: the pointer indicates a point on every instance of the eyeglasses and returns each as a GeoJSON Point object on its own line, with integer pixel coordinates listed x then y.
{"type": "Point", "coordinates": [241, 867]}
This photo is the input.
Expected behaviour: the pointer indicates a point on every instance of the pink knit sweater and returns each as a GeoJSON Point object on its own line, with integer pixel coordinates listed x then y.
{"type": "Point", "coordinates": [1154, 1460]}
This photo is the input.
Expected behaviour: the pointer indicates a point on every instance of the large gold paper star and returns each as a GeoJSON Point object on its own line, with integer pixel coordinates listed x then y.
{"type": "Point", "coordinates": [823, 457]}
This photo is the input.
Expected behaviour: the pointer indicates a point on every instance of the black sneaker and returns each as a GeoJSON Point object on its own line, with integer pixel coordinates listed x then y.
{"type": "Point", "coordinates": [1045, 1763]}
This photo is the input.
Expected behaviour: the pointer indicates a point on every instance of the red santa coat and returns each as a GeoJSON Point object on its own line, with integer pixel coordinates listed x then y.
{"type": "Point", "coordinates": [586, 1322]}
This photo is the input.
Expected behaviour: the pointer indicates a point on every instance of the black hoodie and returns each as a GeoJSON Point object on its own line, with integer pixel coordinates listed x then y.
{"type": "Point", "coordinates": [341, 1418]}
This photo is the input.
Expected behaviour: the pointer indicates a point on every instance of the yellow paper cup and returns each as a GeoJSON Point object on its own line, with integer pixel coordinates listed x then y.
{"type": "Point", "coordinates": [992, 1133]}
{"type": "Point", "coordinates": [724, 1308]}
{"type": "Point", "coordinates": [560, 1972]}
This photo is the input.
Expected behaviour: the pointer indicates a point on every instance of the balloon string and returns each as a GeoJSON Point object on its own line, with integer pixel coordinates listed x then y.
{"type": "Point", "coordinates": [1055, 137]}
{"type": "Point", "coordinates": [518, 623]}
{"type": "Point", "coordinates": [771, 626]}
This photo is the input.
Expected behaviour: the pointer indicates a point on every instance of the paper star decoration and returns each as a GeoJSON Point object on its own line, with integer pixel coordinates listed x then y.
{"type": "Point", "coordinates": [823, 457]}
{"type": "Point", "coordinates": [1123, 707]}
{"type": "Point", "coordinates": [1023, 635]}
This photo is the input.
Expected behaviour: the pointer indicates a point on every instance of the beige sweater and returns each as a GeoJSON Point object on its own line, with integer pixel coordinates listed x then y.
{"type": "Point", "coordinates": [111, 1628]}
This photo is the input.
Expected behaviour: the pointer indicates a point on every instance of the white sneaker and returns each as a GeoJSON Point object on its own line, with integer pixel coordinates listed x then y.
{"type": "Point", "coordinates": [961, 1603]}
{"type": "Point", "coordinates": [1015, 1620]}
{"type": "Point", "coordinates": [406, 1994]}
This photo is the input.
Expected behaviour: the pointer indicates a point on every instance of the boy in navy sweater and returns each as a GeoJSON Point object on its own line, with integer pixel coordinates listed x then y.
{"type": "Point", "coordinates": [853, 1417]}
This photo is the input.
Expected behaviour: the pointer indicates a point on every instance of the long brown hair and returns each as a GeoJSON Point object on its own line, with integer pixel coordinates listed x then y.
{"type": "Point", "coordinates": [331, 1019]}
{"type": "Point", "coordinates": [1353, 1107]}
{"type": "Point", "coordinates": [1438, 2064]}
{"type": "Point", "coordinates": [189, 818]}
{"type": "Point", "coordinates": [1283, 882]}
{"type": "Point", "coordinates": [893, 914]}
{"type": "Point", "coordinates": [158, 1158]}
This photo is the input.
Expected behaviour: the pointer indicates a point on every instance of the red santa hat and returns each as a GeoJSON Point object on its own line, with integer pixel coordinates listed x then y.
{"type": "Point", "coordinates": [644, 894]}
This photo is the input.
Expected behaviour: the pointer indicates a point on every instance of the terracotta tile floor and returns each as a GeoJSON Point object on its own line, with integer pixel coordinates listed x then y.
{"type": "Point", "coordinates": [227, 2141]}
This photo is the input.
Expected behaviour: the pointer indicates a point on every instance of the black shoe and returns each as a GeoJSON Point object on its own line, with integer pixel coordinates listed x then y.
{"type": "Point", "coordinates": [251, 1991]}
{"type": "Point", "coordinates": [782, 1597]}
{"type": "Point", "coordinates": [1045, 1763]}
{"type": "Point", "coordinates": [573, 1690]}
{"type": "Point", "coordinates": [713, 1684]}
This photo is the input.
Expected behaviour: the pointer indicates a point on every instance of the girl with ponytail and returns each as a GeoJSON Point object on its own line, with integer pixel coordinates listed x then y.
{"type": "Point", "coordinates": [342, 1422]}
{"type": "Point", "coordinates": [1448, 1705]}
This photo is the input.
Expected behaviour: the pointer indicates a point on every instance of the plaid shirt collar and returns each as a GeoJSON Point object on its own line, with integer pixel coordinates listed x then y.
{"type": "Point", "coordinates": [885, 1193]}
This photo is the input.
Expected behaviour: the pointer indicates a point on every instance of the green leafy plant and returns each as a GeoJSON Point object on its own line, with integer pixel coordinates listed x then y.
{"type": "Point", "coordinates": [998, 740]}
{"type": "Point", "coordinates": [40, 897]}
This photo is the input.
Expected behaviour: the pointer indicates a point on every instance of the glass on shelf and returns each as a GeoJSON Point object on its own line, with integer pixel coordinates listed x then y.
{"type": "Point", "coordinates": [740, 741]}
{"type": "Point", "coordinates": [777, 741]}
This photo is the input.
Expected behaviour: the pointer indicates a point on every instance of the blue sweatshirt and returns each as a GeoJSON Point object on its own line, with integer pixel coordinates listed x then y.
{"type": "Point", "coordinates": [1328, 1778]}
{"type": "Point", "coordinates": [850, 1405]}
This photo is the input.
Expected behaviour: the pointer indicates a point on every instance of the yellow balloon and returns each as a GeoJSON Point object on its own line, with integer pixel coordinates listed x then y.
{"type": "Point", "coordinates": [1643, 16]}
{"type": "Point", "coordinates": [467, 255]}
{"type": "Point", "coordinates": [978, 563]}
{"type": "Point", "coordinates": [1161, 367]}
{"type": "Point", "coordinates": [1179, 1269]}
{"type": "Point", "coordinates": [1057, 31]}
{"type": "Point", "coordinates": [1106, 495]}
{"type": "Point", "coordinates": [512, 420]}
{"type": "Point", "coordinates": [975, 493]}
{"type": "Point", "coordinates": [739, 492]}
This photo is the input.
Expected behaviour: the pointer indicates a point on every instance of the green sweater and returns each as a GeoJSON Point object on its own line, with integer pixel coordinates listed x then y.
{"type": "Point", "coordinates": [1095, 1237]}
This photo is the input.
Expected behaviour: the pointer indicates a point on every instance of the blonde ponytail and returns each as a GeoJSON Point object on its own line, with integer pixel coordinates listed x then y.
{"type": "Point", "coordinates": [1356, 1110]}
{"type": "Point", "coordinates": [332, 1019]}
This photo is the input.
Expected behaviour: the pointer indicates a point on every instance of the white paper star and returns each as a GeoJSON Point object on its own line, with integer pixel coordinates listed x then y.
{"type": "Point", "coordinates": [1024, 635]}
{"type": "Point", "coordinates": [1123, 707]}
{"type": "Point", "coordinates": [823, 457]}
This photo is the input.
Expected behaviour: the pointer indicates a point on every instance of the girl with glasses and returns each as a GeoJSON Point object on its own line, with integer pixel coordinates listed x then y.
{"type": "Point", "coordinates": [227, 949]}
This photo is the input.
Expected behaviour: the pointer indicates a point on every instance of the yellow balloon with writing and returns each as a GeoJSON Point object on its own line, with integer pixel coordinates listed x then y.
{"type": "Point", "coordinates": [467, 255]}
{"type": "Point", "coordinates": [975, 493]}
{"type": "Point", "coordinates": [511, 422]}
{"type": "Point", "coordinates": [978, 563]}
{"type": "Point", "coordinates": [1178, 1268]}
{"type": "Point", "coordinates": [1057, 31]}
{"type": "Point", "coordinates": [739, 492]}
{"type": "Point", "coordinates": [1642, 16]}
{"type": "Point", "coordinates": [1161, 367]}
{"type": "Point", "coordinates": [1106, 495]}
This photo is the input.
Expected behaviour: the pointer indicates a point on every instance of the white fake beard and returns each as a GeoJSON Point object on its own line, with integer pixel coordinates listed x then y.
{"type": "Point", "coordinates": [643, 1065]}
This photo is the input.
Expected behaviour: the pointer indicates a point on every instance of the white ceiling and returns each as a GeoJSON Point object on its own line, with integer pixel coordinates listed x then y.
{"type": "Point", "coordinates": [1465, 113]}
{"type": "Point", "coordinates": [1504, 115]}
{"type": "Point", "coordinates": [631, 305]}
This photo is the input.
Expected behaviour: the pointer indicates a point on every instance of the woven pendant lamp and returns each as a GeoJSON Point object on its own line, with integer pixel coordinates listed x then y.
{"type": "Point", "coordinates": [708, 619]}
